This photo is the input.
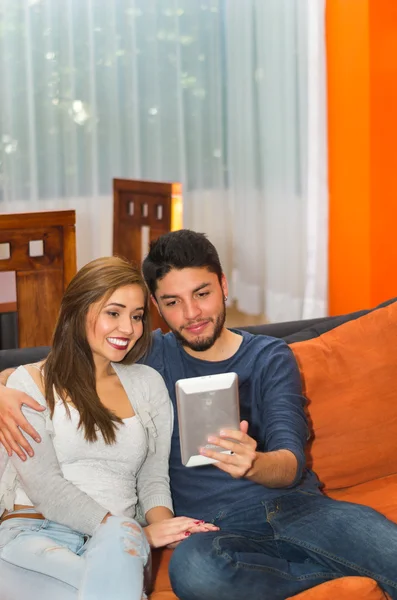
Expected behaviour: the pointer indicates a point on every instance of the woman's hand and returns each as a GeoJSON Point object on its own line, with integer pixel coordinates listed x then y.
{"type": "Point", "coordinates": [170, 531]}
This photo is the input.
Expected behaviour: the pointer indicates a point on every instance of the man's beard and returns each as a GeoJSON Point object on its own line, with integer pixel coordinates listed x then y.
{"type": "Point", "coordinates": [201, 344]}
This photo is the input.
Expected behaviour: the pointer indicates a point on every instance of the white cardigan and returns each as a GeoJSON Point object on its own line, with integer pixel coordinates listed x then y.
{"type": "Point", "coordinates": [42, 477]}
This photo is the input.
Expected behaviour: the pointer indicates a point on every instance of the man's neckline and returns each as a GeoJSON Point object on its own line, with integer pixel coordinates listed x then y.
{"type": "Point", "coordinates": [203, 357]}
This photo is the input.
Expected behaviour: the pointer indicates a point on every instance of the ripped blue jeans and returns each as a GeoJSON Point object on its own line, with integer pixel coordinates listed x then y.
{"type": "Point", "coordinates": [113, 563]}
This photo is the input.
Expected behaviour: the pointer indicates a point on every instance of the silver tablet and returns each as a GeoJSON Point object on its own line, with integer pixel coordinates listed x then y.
{"type": "Point", "coordinates": [205, 405]}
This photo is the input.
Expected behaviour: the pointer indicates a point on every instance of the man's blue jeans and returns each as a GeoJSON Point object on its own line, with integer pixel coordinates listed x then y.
{"type": "Point", "coordinates": [110, 565]}
{"type": "Point", "coordinates": [272, 550]}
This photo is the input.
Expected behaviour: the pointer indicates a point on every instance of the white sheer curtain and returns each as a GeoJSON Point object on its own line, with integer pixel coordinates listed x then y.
{"type": "Point", "coordinates": [277, 156]}
{"type": "Point", "coordinates": [226, 96]}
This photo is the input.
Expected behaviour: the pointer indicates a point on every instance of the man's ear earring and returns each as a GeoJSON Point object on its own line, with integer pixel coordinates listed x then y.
{"type": "Point", "coordinates": [225, 298]}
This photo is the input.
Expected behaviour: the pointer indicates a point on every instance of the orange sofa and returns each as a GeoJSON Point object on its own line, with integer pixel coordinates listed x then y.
{"type": "Point", "coordinates": [348, 366]}
{"type": "Point", "coordinates": [349, 376]}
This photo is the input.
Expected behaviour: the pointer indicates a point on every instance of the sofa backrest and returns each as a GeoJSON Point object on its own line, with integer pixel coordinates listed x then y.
{"type": "Point", "coordinates": [348, 367]}
{"type": "Point", "coordinates": [10, 359]}
{"type": "Point", "coordinates": [349, 377]}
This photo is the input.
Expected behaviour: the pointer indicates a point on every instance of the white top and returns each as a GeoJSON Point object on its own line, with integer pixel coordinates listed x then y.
{"type": "Point", "coordinates": [106, 472]}
{"type": "Point", "coordinates": [68, 477]}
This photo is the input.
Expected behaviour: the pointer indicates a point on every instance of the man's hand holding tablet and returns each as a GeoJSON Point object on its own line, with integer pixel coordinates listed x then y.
{"type": "Point", "coordinates": [240, 455]}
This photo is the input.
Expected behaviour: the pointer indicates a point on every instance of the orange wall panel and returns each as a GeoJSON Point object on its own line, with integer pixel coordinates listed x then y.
{"type": "Point", "coordinates": [383, 135]}
{"type": "Point", "coordinates": [362, 131]}
{"type": "Point", "coordinates": [349, 154]}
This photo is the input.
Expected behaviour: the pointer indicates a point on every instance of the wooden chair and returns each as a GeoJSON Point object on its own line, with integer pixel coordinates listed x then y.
{"type": "Point", "coordinates": [42, 252]}
{"type": "Point", "coordinates": [144, 210]}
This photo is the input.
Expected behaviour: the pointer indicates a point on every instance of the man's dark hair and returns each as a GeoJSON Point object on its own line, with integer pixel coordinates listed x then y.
{"type": "Point", "coordinates": [179, 250]}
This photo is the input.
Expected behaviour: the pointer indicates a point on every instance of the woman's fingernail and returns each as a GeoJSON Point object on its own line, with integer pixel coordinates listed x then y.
{"type": "Point", "coordinates": [211, 438]}
{"type": "Point", "coordinates": [201, 522]}
{"type": "Point", "coordinates": [187, 533]}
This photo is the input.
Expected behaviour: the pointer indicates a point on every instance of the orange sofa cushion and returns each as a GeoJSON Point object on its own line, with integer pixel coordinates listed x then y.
{"type": "Point", "coordinates": [379, 494]}
{"type": "Point", "coordinates": [346, 588]}
{"type": "Point", "coordinates": [349, 377]}
{"type": "Point", "coordinates": [162, 587]}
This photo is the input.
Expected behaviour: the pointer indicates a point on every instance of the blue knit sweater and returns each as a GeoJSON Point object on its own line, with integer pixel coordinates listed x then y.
{"type": "Point", "coordinates": [270, 400]}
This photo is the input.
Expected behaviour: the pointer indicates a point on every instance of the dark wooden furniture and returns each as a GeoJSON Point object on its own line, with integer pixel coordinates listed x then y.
{"type": "Point", "coordinates": [42, 252]}
{"type": "Point", "coordinates": [144, 210]}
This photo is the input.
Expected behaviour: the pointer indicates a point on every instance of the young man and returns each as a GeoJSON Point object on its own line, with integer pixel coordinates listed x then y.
{"type": "Point", "coordinates": [279, 535]}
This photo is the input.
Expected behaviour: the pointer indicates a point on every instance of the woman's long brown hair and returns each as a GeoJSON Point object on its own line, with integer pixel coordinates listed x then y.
{"type": "Point", "coordinates": [69, 369]}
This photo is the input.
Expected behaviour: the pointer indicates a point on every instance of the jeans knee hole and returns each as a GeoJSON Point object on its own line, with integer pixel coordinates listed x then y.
{"type": "Point", "coordinates": [132, 528]}
{"type": "Point", "coordinates": [130, 547]}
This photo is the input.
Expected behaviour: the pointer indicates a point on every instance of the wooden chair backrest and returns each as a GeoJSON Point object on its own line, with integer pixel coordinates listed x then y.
{"type": "Point", "coordinates": [41, 274]}
{"type": "Point", "coordinates": [144, 210]}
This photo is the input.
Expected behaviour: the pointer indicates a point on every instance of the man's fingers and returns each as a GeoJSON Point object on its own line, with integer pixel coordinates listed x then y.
{"type": "Point", "coordinates": [24, 424]}
{"type": "Point", "coordinates": [222, 457]}
{"type": "Point", "coordinates": [17, 441]}
{"type": "Point", "coordinates": [4, 442]}
{"type": "Point", "coordinates": [234, 470]}
{"type": "Point", "coordinates": [244, 426]}
{"type": "Point", "coordinates": [237, 465]}
{"type": "Point", "coordinates": [13, 423]}
{"type": "Point", "coordinates": [13, 445]}
{"type": "Point", "coordinates": [29, 401]}
{"type": "Point", "coordinates": [243, 459]}
{"type": "Point", "coordinates": [234, 434]}
{"type": "Point", "coordinates": [240, 436]}
{"type": "Point", "coordinates": [226, 444]}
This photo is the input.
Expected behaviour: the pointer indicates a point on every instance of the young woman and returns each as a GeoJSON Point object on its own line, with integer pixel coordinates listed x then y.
{"type": "Point", "coordinates": [105, 428]}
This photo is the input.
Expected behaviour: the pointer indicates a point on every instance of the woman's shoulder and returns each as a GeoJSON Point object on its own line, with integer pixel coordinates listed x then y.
{"type": "Point", "coordinates": [35, 371]}
{"type": "Point", "coordinates": [28, 378]}
{"type": "Point", "coordinates": [142, 379]}
{"type": "Point", "coordinates": [138, 371]}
